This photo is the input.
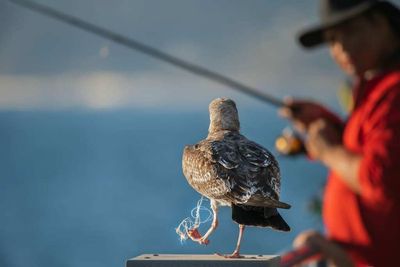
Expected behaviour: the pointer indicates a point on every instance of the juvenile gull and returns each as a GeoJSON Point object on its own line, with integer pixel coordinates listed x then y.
{"type": "Point", "coordinates": [233, 171]}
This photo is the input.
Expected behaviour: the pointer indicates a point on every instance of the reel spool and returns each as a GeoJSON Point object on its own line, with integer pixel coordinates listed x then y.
{"type": "Point", "coordinates": [289, 143]}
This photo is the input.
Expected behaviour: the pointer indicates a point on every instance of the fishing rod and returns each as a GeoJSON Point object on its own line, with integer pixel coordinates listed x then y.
{"type": "Point", "coordinates": [153, 52]}
{"type": "Point", "coordinates": [285, 144]}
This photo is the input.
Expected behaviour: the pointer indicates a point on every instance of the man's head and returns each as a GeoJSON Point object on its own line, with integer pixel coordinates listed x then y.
{"type": "Point", "coordinates": [362, 44]}
{"type": "Point", "coordinates": [360, 33]}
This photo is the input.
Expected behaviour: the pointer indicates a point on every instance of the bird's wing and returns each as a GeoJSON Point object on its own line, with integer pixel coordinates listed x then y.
{"type": "Point", "coordinates": [257, 176]}
{"type": "Point", "coordinates": [201, 171]}
{"type": "Point", "coordinates": [260, 163]}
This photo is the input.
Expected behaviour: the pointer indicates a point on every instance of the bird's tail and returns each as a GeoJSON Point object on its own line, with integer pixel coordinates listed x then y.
{"type": "Point", "coordinates": [259, 216]}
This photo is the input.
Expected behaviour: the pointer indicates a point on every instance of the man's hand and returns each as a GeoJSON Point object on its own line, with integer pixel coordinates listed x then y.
{"type": "Point", "coordinates": [329, 250]}
{"type": "Point", "coordinates": [303, 113]}
{"type": "Point", "coordinates": [322, 138]}
{"type": "Point", "coordinates": [323, 141]}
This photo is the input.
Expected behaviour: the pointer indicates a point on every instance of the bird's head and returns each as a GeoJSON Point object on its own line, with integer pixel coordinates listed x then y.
{"type": "Point", "coordinates": [223, 115]}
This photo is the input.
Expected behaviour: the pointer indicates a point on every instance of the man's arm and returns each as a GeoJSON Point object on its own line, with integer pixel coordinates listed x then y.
{"type": "Point", "coordinates": [324, 143]}
{"type": "Point", "coordinates": [324, 139]}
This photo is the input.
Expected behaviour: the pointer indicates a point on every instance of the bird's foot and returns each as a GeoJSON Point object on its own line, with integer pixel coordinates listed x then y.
{"type": "Point", "coordinates": [204, 241]}
{"type": "Point", "coordinates": [195, 235]}
{"type": "Point", "coordinates": [234, 255]}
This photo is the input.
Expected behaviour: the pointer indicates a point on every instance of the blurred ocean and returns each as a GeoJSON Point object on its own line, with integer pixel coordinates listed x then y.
{"type": "Point", "coordinates": [95, 188]}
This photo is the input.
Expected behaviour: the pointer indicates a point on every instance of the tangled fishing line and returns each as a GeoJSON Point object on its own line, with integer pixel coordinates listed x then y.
{"type": "Point", "coordinates": [194, 221]}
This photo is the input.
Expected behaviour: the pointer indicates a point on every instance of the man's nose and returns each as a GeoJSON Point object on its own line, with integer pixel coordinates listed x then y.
{"type": "Point", "coordinates": [336, 47]}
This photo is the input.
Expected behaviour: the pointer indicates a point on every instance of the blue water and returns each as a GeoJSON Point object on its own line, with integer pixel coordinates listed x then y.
{"type": "Point", "coordinates": [97, 188]}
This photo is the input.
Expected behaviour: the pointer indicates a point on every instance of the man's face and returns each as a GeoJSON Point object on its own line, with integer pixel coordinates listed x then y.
{"type": "Point", "coordinates": [357, 45]}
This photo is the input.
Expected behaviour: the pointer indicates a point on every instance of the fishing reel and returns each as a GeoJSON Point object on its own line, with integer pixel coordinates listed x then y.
{"type": "Point", "coordinates": [289, 143]}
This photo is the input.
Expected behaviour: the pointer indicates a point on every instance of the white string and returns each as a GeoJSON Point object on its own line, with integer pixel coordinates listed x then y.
{"type": "Point", "coordinates": [194, 221]}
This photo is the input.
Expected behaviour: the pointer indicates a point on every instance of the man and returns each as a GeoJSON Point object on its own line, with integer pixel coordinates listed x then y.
{"type": "Point", "coordinates": [361, 208]}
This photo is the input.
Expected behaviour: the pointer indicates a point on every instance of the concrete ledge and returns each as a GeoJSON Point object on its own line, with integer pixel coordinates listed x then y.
{"type": "Point", "coordinates": [186, 260]}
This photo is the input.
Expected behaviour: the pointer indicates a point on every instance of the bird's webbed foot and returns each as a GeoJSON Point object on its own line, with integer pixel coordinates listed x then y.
{"type": "Point", "coordinates": [195, 235]}
{"type": "Point", "coordinates": [234, 255]}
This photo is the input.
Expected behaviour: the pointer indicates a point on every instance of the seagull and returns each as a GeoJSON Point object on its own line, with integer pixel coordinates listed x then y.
{"type": "Point", "coordinates": [231, 170]}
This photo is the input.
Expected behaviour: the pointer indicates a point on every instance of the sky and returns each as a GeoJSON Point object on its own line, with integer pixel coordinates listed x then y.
{"type": "Point", "coordinates": [46, 64]}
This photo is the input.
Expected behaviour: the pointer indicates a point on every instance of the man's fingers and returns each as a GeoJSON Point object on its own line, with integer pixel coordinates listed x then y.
{"type": "Point", "coordinates": [293, 111]}
{"type": "Point", "coordinates": [285, 112]}
{"type": "Point", "coordinates": [299, 126]}
{"type": "Point", "coordinates": [306, 238]}
{"type": "Point", "coordinates": [321, 123]}
{"type": "Point", "coordinates": [293, 106]}
{"type": "Point", "coordinates": [317, 126]}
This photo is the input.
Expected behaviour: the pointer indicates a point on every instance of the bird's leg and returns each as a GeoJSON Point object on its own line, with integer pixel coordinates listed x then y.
{"type": "Point", "coordinates": [214, 224]}
{"type": "Point", "coordinates": [194, 233]}
{"type": "Point", "coordinates": [236, 253]}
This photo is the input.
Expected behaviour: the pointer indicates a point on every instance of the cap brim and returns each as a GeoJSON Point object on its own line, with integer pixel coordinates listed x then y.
{"type": "Point", "coordinates": [315, 36]}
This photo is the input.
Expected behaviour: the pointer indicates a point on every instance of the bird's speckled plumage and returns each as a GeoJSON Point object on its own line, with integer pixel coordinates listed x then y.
{"type": "Point", "coordinates": [228, 167]}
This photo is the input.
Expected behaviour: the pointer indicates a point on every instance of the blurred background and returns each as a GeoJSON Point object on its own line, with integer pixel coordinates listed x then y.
{"type": "Point", "coordinates": [92, 133]}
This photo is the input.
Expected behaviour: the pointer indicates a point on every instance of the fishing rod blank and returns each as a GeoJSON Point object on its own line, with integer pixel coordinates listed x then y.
{"type": "Point", "coordinates": [138, 46]}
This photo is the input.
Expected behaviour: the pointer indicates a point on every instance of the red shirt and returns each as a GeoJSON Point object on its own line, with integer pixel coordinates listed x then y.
{"type": "Point", "coordinates": [368, 225]}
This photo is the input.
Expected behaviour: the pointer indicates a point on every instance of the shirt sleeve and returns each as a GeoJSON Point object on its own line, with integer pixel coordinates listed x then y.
{"type": "Point", "coordinates": [379, 172]}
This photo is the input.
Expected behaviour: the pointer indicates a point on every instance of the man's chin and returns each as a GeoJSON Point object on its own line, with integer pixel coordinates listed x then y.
{"type": "Point", "coordinates": [351, 71]}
